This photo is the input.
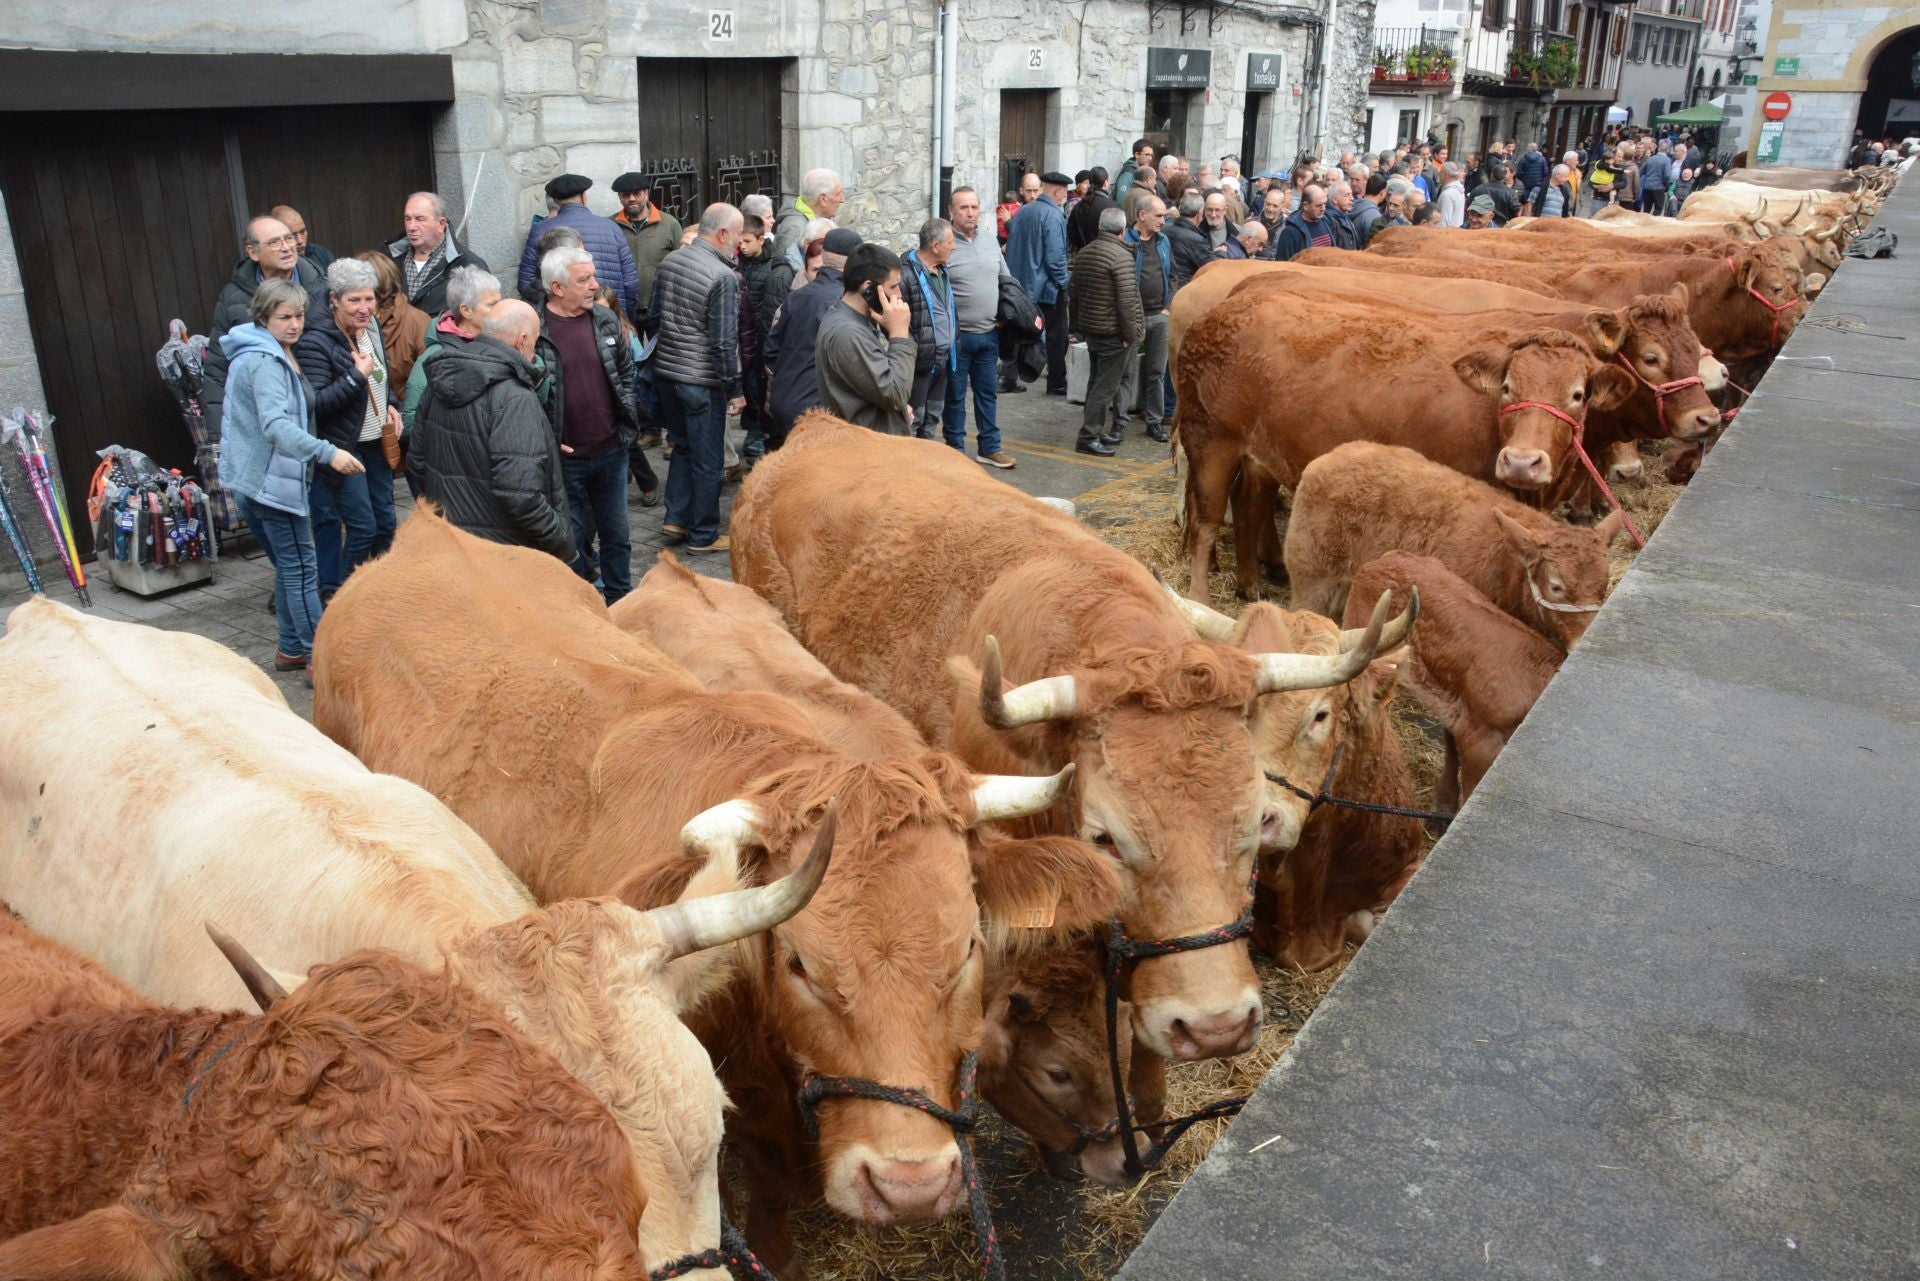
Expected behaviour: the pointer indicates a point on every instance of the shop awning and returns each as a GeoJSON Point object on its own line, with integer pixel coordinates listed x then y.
{"type": "Point", "coordinates": [1704, 114]}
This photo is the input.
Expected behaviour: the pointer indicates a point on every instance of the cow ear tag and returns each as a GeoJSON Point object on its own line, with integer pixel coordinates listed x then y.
{"type": "Point", "coordinates": [1037, 912]}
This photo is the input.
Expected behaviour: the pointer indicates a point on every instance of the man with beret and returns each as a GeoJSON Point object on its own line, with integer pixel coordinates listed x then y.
{"type": "Point", "coordinates": [652, 233]}
{"type": "Point", "coordinates": [600, 237]}
{"type": "Point", "coordinates": [790, 347]}
{"type": "Point", "coordinates": [1037, 257]}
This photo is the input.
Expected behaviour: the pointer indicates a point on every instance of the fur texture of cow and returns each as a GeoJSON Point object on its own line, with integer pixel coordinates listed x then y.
{"type": "Point", "coordinates": [611, 749]}
{"type": "Point", "coordinates": [1364, 500]}
{"type": "Point", "coordinates": [1473, 667]}
{"type": "Point", "coordinates": [1043, 1059]}
{"type": "Point", "coordinates": [894, 561]}
{"type": "Point", "coordinates": [381, 1121]}
{"type": "Point", "coordinates": [251, 817]}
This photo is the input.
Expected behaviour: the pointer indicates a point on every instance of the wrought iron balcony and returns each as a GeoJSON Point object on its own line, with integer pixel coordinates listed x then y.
{"type": "Point", "coordinates": [1415, 59]}
{"type": "Point", "coordinates": [1537, 59]}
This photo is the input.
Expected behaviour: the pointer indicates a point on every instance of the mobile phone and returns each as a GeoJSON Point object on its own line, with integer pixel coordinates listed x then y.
{"type": "Point", "coordinates": [871, 292]}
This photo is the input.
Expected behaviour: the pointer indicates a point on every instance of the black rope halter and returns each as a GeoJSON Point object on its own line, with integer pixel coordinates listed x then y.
{"type": "Point", "coordinates": [732, 1254]}
{"type": "Point", "coordinates": [1325, 796]}
{"type": "Point", "coordinates": [1120, 950]}
{"type": "Point", "coordinates": [815, 1088]}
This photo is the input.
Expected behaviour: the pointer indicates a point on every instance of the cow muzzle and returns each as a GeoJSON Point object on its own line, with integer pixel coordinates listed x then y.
{"type": "Point", "coordinates": [885, 1190]}
{"type": "Point", "coordinates": [1697, 423]}
{"type": "Point", "coordinates": [1183, 1033]}
{"type": "Point", "coordinates": [1523, 468]}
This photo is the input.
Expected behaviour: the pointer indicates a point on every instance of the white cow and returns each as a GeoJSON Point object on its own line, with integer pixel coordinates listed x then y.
{"type": "Point", "coordinates": [152, 780]}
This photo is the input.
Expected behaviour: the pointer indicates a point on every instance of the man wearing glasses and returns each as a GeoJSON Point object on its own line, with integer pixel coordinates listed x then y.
{"type": "Point", "coordinates": [269, 251]}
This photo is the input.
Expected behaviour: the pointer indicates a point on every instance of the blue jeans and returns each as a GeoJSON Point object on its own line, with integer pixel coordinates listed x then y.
{"type": "Point", "coordinates": [696, 424]}
{"type": "Point", "coordinates": [979, 364]}
{"type": "Point", "coordinates": [288, 541]}
{"type": "Point", "coordinates": [597, 502]}
{"type": "Point", "coordinates": [343, 525]}
{"type": "Point", "coordinates": [379, 496]}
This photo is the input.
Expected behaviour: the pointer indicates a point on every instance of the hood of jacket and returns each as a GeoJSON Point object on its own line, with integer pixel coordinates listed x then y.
{"type": "Point", "coordinates": [251, 337]}
{"type": "Point", "coordinates": [460, 375]}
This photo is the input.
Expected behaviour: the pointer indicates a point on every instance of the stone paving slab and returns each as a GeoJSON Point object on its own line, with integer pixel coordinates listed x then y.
{"type": "Point", "coordinates": [1649, 1010]}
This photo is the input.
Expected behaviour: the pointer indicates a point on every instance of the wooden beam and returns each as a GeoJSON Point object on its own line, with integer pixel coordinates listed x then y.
{"type": "Point", "coordinates": [54, 80]}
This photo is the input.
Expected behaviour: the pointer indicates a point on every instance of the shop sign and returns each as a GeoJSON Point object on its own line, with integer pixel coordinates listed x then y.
{"type": "Point", "coordinates": [1179, 68]}
{"type": "Point", "coordinates": [1263, 70]}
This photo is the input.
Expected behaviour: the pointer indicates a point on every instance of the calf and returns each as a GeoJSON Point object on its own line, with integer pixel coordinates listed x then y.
{"type": "Point", "coordinates": [381, 1121]}
{"type": "Point", "coordinates": [1364, 500]}
{"type": "Point", "coordinates": [1473, 667]}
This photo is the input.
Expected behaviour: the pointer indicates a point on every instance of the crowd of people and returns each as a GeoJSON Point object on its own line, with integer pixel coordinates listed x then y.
{"type": "Point", "coordinates": [526, 419]}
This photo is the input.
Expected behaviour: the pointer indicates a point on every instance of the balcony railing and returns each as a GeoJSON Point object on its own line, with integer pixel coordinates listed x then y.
{"type": "Point", "coordinates": [1415, 59]}
{"type": "Point", "coordinates": [1538, 59]}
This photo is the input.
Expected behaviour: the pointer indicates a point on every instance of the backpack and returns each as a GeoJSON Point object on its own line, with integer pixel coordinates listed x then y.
{"type": "Point", "coordinates": [1874, 242]}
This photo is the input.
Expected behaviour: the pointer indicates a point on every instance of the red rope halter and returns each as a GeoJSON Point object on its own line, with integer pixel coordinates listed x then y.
{"type": "Point", "coordinates": [1773, 339]}
{"type": "Point", "coordinates": [1660, 390]}
{"type": "Point", "coordinates": [1580, 451]}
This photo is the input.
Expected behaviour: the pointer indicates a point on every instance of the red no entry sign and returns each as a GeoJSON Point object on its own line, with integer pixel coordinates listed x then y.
{"type": "Point", "coordinates": [1776, 105]}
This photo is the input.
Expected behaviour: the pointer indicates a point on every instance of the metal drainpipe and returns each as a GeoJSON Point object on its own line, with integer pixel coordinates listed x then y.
{"type": "Point", "coordinates": [939, 117]}
{"type": "Point", "coordinates": [949, 75]}
{"type": "Point", "coordinates": [1328, 32]}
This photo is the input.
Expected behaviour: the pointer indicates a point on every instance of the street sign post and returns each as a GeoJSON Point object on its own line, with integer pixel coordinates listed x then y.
{"type": "Point", "coordinates": [1776, 105]}
{"type": "Point", "coordinates": [1786, 66]}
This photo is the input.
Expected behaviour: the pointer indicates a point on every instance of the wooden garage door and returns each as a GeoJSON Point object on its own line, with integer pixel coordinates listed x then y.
{"type": "Point", "coordinates": [124, 221]}
{"type": "Point", "coordinates": [348, 170]}
{"type": "Point", "coordinates": [710, 131]}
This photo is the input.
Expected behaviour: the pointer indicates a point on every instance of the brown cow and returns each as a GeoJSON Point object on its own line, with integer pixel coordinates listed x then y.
{"type": "Point", "coordinates": [1473, 667]}
{"type": "Point", "coordinates": [381, 1121]}
{"type": "Point", "coordinates": [1349, 863]}
{"type": "Point", "coordinates": [1364, 500]}
{"type": "Point", "coordinates": [616, 758]}
{"type": "Point", "coordinates": [1040, 1065]}
{"type": "Point", "coordinates": [897, 561]}
{"type": "Point", "coordinates": [1454, 386]}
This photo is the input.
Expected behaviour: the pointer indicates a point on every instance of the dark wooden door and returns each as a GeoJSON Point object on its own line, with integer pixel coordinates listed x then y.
{"type": "Point", "coordinates": [348, 170]}
{"type": "Point", "coordinates": [1023, 136]}
{"type": "Point", "coordinates": [125, 221]}
{"type": "Point", "coordinates": [122, 223]}
{"type": "Point", "coordinates": [710, 131]}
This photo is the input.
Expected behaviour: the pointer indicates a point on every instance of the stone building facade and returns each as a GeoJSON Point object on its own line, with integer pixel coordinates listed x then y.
{"type": "Point", "coordinates": [1839, 63]}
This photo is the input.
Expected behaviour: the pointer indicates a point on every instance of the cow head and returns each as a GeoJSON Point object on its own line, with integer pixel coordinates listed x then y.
{"type": "Point", "coordinates": [381, 1121]}
{"type": "Point", "coordinates": [880, 978]}
{"type": "Point", "coordinates": [1169, 788]}
{"type": "Point", "coordinates": [1766, 286]}
{"type": "Point", "coordinates": [1565, 568]}
{"type": "Point", "coordinates": [603, 986]}
{"type": "Point", "coordinates": [1663, 352]}
{"type": "Point", "coordinates": [1621, 462]}
{"type": "Point", "coordinates": [1043, 1061]}
{"type": "Point", "coordinates": [1547, 368]}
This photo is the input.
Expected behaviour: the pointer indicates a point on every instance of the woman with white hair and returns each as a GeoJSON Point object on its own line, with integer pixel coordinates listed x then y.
{"type": "Point", "coordinates": [345, 363]}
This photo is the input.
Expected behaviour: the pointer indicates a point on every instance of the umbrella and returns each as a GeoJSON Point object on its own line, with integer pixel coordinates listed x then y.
{"type": "Point", "coordinates": [18, 538]}
{"type": "Point", "coordinates": [25, 428]}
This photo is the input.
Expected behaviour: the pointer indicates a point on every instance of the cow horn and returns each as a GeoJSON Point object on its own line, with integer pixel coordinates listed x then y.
{"type": "Point", "coordinates": [1052, 698]}
{"type": "Point", "coordinates": [1278, 673]}
{"type": "Point", "coordinates": [716, 919]}
{"type": "Point", "coordinates": [998, 796]}
{"type": "Point", "coordinates": [1394, 634]}
{"type": "Point", "coordinates": [1829, 234]}
{"type": "Point", "coordinates": [1207, 622]}
{"type": "Point", "coordinates": [1762, 231]}
{"type": "Point", "coordinates": [1759, 211]}
{"type": "Point", "coordinates": [262, 986]}
{"type": "Point", "coordinates": [1797, 207]}
{"type": "Point", "coordinates": [730, 826]}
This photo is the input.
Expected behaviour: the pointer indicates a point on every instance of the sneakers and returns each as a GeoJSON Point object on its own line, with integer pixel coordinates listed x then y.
{"type": "Point", "coordinates": [649, 498]}
{"type": "Point", "coordinates": [1003, 461]}
{"type": "Point", "coordinates": [720, 544]}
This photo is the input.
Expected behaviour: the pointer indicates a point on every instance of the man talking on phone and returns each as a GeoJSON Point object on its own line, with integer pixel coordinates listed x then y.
{"type": "Point", "coordinates": [863, 356]}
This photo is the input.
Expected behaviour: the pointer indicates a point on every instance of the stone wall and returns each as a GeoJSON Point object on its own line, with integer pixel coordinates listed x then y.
{"type": "Point", "coordinates": [19, 375]}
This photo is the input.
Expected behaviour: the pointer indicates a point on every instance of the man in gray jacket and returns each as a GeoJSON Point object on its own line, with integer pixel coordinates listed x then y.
{"type": "Point", "coordinates": [976, 270]}
{"type": "Point", "coordinates": [696, 367]}
{"type": "Point", "coordinates": [863, 356]}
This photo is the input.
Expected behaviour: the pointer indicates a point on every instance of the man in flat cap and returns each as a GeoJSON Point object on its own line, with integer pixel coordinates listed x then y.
{"type": "Point", "coordinates": [1480, 213]}
{"type": "Point", "coordinates": [1037, 257]}
{"type": "Point", "coordinates": [652, 233]}
{"type": "Point", "coordinates": [600, 237]}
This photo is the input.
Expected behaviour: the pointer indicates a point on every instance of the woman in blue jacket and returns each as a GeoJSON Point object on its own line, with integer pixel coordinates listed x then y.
{"type": "Point", "coordinates": [267, 453]}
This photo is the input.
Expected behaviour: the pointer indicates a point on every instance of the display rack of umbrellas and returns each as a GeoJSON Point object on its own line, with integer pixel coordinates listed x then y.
{"type": "Point", "coordinates": [23, 433]}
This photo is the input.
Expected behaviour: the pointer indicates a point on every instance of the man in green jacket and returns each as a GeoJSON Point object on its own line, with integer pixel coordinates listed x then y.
{"type": "Point", "coordinates": [651, 233]}
{"type": "Point", "coordinates": [1105, 293]}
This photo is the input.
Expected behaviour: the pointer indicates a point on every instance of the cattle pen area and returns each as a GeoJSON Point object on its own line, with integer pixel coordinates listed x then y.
{"type": "Point", "coordinates": [1623, 985]}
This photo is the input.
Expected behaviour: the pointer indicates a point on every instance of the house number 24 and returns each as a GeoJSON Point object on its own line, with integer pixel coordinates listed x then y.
{"type": "Point", "coordinates": [719, 24]}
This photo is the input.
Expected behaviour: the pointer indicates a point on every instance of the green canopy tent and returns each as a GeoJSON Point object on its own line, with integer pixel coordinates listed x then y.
{"type": "Point", "coordinates": [1704, 114]}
